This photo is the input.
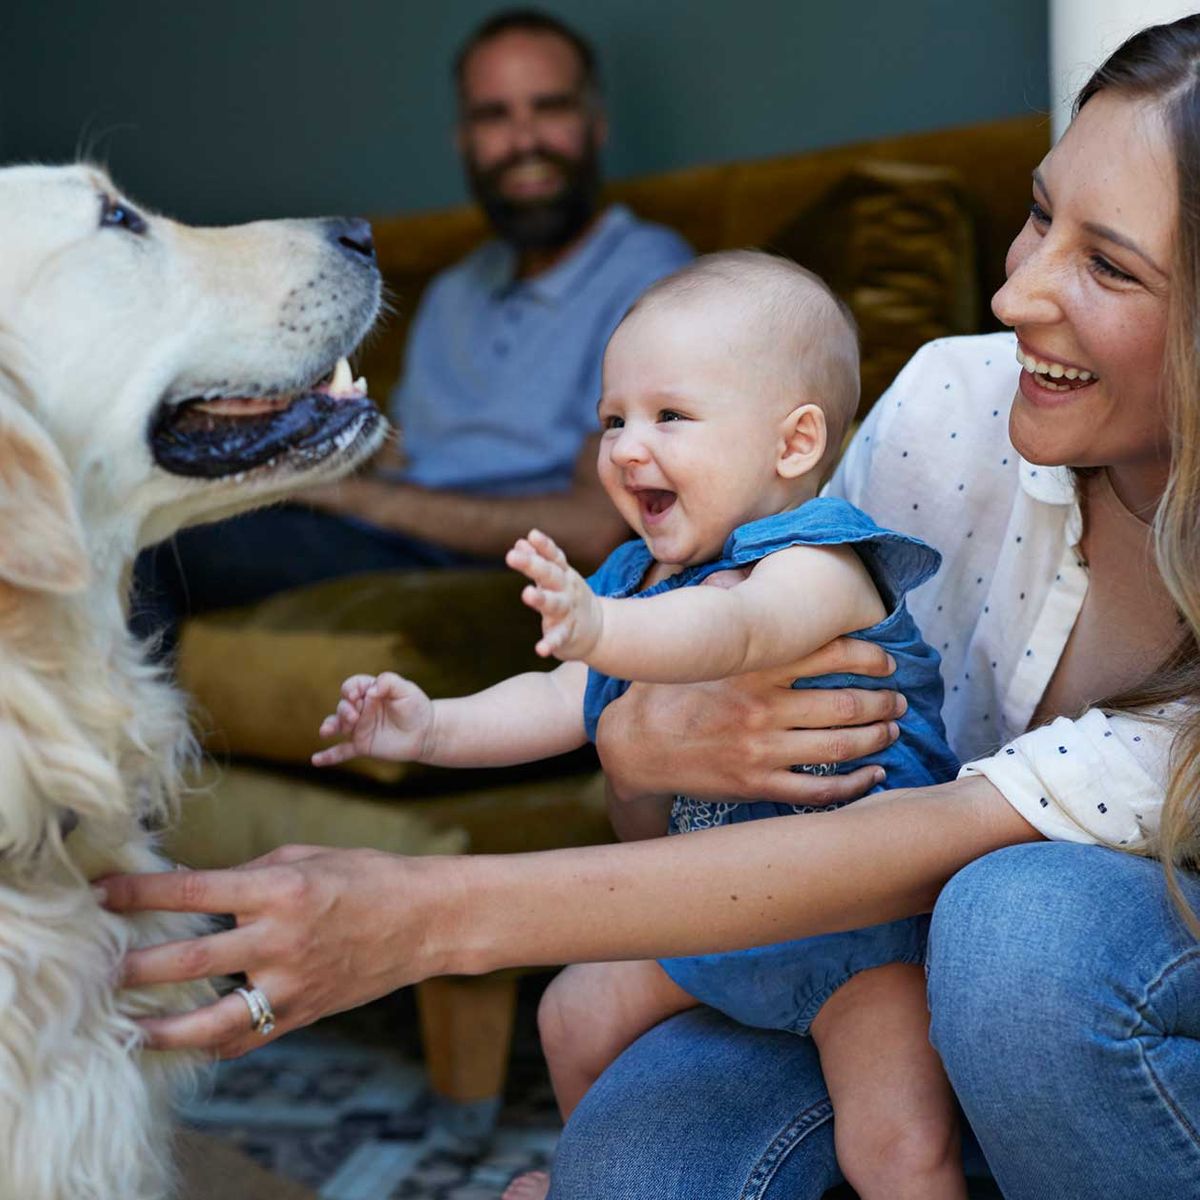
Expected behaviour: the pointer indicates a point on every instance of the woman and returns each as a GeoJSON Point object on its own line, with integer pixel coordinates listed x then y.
{"type": "Point", "coordinates": [1063, 976]}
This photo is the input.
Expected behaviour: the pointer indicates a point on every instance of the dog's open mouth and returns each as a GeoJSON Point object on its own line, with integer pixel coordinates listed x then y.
{"type": "Point", "coordinates": [228, 435]}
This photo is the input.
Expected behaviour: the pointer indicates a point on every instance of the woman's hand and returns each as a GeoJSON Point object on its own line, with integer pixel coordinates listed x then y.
{"type": "Point", "coordinates": [739, 737]}
{"type": "Point", "coordinates": [318, 931]}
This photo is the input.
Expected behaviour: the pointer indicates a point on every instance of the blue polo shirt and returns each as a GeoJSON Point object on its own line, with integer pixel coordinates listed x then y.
{"type": "Point", "coordinates": [502, 375]}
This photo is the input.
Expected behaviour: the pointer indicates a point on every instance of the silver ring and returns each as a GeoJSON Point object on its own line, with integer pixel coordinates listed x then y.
{"type": "Point", "coordinates": [262, 1018]}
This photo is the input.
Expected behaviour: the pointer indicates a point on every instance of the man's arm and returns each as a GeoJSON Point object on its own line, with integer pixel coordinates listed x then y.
{"type": "Point", "coordinates": [582, 520]}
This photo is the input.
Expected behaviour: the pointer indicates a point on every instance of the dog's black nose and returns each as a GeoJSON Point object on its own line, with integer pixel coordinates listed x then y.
{"type": "Point", "coordinates": [353, 235]}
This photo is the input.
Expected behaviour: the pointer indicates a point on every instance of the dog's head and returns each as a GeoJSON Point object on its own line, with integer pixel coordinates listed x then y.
{"type": "Point", "coordinates": [154, 375]}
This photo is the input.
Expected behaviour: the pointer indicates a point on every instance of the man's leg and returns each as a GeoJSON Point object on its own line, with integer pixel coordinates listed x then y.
{"type": "Point", "coordinates": [1065, 993]}
{"type": "Point", "coordinates": [251, 557]}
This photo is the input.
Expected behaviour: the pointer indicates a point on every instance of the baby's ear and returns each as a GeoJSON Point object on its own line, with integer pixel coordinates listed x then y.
{"type": "Point", "coordinates": [41, 539]}
{"type": "Point", "coordinates": [804, 435]}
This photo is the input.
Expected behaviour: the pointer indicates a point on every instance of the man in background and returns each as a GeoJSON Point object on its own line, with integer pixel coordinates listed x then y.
{"type": "Point", "coordinates": [496, 405]}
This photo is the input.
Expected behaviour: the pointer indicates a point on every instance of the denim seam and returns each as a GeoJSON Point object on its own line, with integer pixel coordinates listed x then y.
{"type": "Point", "coordinates": [803, 1023]}
{"type": "Point", "coordinates": [1141, 1008]}
{"type": "Point", "coordinates": [784, 1143]}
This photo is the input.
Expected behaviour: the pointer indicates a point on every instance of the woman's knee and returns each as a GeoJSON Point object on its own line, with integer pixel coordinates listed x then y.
{"type": "Point", "coordinates": [702, 1107]}
{"type": "Point", "coordinates": [1038, 948]}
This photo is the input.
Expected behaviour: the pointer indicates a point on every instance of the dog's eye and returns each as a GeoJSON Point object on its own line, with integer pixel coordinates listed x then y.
{"type": "Point", "coordinates": [114, 214]}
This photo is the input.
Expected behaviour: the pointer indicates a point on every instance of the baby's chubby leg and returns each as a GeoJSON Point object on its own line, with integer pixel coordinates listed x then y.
{"type": "Point", "coordinates": [895, 1120]}
{"type": "Point", "coordinates": [588, 1015]}
{"type": "Point", "coordinates": [591, 1012]}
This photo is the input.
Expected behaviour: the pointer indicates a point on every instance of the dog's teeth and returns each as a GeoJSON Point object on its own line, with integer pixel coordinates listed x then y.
{"type": "Point", "coordinates": [342, 379]}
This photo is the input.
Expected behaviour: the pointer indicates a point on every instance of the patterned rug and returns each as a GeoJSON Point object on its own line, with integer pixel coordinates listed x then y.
{"type": "Point", "coordinates": [343, 1108]}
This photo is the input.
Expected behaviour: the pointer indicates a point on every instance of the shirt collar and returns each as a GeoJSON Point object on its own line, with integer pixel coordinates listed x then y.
{"type": "Point", "coordinates": [1050, 485]}
{"type": "Point", "coordinates": [555, 285]}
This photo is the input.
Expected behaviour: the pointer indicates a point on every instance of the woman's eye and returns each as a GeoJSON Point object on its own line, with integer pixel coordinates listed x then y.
{"type": "Point", "coordinates": [1102, 266]}
{"type": "Point", "coordinates": [613, 423]}
{"type": "Point", "coordinates": [1039, 215]}
{"type": "Point", "coordinates": [115, 215]}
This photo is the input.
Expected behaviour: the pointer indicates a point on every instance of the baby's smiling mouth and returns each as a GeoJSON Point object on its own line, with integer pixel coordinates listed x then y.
{"type": "Point", "coordinates": [653, 503]}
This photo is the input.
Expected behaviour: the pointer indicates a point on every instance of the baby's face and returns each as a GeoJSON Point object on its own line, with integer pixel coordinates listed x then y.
{"type": "Point", "coordinates": [691, 429]}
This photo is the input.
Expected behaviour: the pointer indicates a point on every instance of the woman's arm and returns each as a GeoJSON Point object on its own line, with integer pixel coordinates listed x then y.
{"type": "Point", "coordinates": [324, 930]}
{"type": "Point", "coordinates": [648, 817]}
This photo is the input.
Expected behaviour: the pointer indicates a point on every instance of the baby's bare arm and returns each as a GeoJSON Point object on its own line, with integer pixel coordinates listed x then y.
{"type": "Point", "coordinates": [525, 718]}
{"type": "Point", "coordinates": [793, 602]}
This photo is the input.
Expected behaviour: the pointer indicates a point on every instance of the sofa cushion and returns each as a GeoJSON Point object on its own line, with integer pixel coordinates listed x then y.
{"type": "Point", "coordinates": [897, 242]}
{"type": "Point", "coordinates": [263, 677]}
{"type": "Point", "coordinates": [239, 812]}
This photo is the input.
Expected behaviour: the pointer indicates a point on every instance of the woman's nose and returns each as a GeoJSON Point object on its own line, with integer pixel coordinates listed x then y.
{"type": "Point", "coordinates": [1031, 295]}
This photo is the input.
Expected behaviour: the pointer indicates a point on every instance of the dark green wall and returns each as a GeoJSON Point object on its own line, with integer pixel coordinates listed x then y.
{"type": "Point", "coordinates": [220, 111]}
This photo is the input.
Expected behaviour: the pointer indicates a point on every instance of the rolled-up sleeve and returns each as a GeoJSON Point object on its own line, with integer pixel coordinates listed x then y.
{"type": "Point", "coordinates": [1094, 779]}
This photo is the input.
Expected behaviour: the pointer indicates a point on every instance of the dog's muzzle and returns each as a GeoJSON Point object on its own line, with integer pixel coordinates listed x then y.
{"type": "Point", "coordinates": [211, 438]}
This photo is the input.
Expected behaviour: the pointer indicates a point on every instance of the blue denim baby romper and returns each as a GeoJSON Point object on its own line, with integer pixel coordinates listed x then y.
{"type": "Point", "coordinates": [782, 986]}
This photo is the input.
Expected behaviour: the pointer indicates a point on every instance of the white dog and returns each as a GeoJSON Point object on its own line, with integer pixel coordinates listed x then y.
{"type": "Point", "coordinates": [151, 376]}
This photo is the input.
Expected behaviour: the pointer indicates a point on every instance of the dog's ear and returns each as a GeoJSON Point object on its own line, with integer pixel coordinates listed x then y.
{"type": "Point", "coordinates": [41, 540]}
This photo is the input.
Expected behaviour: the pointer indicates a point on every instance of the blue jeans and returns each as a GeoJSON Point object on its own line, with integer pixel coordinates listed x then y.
{"type": "Point", "coordinates": [1065, 994]}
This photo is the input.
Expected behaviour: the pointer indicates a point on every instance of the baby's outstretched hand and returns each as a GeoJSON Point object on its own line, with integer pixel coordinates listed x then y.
{"type": "Point", "coordinates": [572, 616]}
{"type": "Point", "coordinates": [380, 716]}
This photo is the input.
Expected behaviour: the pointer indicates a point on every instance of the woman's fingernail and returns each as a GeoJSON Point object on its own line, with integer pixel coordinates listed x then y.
{"type": "Point", "coordinates": [879, 775]}
{"type": "Point", "coordinates": [893, 730]}
{"type": "Point", "coordinates": [901, 703]}
{"type": "Point", "coordinates": [891, 665]}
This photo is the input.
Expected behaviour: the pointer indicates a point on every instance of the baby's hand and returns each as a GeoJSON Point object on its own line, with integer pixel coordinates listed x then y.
{"type": "Point", "coordinates": [381, 716]}
{"type": "Point", "coordinates": [571, 612]}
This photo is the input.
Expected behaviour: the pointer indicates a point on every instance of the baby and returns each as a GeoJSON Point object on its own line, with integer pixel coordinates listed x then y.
{"type": "Point", "coordinates": [726, 393]}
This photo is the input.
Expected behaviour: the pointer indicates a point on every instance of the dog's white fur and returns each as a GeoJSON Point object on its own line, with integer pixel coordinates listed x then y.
{"type": "Point", "coordinates": [98, 326]}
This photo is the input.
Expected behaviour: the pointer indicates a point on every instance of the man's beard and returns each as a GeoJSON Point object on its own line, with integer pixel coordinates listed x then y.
{"type": "Point", "coordinates": [544, 223]}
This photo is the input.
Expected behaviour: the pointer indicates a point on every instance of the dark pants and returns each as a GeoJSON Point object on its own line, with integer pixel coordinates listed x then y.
{"type": "Point", "coordinates": [249, 558]}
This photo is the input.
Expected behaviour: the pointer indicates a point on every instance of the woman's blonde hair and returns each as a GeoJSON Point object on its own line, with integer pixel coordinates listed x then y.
{"type": "Point", "coordinates": [1162, 64]}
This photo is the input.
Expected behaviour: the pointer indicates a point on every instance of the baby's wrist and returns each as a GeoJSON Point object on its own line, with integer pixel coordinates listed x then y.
{"type": "Point", "coordinates": [428, 750]}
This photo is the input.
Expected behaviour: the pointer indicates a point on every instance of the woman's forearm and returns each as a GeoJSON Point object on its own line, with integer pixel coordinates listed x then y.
{"type": "Point", "coordinates": [323, 930]}
{"type": "Point", "coordinates": [880, 859]}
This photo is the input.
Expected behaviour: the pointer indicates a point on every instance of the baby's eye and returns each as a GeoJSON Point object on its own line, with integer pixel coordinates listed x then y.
{"type": "Point", "coordinates": [669, 414]}
{"type": "Point", "coordinates": [613, 423]}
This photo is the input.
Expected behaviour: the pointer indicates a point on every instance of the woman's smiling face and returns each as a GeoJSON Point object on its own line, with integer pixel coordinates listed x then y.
{"type": "Point", "coordinates": [1088, 281]}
